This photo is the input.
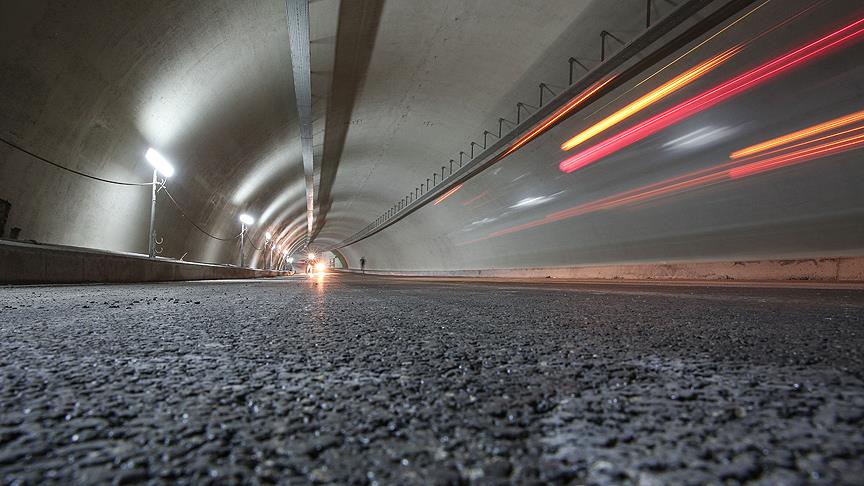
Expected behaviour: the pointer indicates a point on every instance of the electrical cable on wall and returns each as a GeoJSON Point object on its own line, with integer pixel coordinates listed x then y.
{"type": "Point", "coordinates": [43, 159]}
{"type": "Point", "coordinates": [187, 218]}
{"type": "Point", "coordinates": [120, 183]}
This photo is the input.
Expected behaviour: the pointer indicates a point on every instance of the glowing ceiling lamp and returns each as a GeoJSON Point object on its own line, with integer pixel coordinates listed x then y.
{"type": "Point", "coordinates": [159, 162]}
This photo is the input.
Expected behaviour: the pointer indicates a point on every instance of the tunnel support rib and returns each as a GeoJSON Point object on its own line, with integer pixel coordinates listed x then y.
{"type": "Point", "coordinates": [298, 30]}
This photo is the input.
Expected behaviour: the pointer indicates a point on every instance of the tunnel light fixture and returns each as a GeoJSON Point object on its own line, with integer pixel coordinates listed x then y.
{"type": "Point", "coordinates": [246, 219]}
{"type": "Point", "coordinates": [267, 236]}
{"type": "Point", "coordinates": [311, 256]}
{"type": "Point", "coordinates": [159, 162]}
{"type": "Point", "coordinates": [290, 259]}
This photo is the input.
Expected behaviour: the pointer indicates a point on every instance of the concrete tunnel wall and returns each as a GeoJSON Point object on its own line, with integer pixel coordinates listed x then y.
{"type": "Point", "coordinates": [209, 84]}
{"type": "Point", "coordinates": [410, 84]}
{"type": "Point", "coordinates": [524, 212]}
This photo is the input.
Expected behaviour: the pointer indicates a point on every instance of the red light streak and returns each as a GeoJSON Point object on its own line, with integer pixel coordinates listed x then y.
{"type": "Point", "coordinates": [474, 199]}
{"type": "Point", "coordinates": [447, 194]}
{"type": "Point", "coordinates": [712, 97]}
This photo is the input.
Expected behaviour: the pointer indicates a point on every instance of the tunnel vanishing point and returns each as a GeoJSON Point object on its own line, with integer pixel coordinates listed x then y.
{"type": "Point", "coordinates": [432, 242]}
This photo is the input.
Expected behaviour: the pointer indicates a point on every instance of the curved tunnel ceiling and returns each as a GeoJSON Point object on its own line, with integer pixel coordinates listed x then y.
{"type": "Point", "coordinates": [397, 89]}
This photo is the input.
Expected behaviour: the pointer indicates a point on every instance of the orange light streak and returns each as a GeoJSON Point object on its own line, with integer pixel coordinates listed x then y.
{"type": "Point", "coordinates": [652, 97]}
{"type": "Point", "coordinates": [795, 136]}
{"type": "Point", "coordinates": [557, 116]}
{"type": "Point", "coordinates": [798, 156]}
{"type": "Point", "coordinates": [447, 194]}
{"type": "Point", "coordinates": [801, 144]}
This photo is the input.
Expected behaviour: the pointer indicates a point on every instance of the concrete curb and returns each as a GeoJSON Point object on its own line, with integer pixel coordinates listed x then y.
{"type": "Point", "coordinates": [28, 263]}
{"type": "Point", "coordinates": [832, 269]}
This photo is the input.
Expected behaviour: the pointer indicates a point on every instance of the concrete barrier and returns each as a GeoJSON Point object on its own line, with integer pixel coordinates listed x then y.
{"type": "Point", "coordinates": [29, 263]}
{"type": "Point", "coordinates": [832, 269]}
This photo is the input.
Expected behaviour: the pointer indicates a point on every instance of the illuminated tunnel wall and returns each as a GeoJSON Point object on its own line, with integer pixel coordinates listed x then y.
{"type": "Point", "coordinates": [746, 144]}
{"type": "Point", "coordinates": [92, 85]}
{"type": "Point", "coordinates": [209, 83]}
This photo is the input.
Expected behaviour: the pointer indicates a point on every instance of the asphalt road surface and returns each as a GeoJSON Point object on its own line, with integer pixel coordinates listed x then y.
{"type": "Point", "coordinates": [351, 379]}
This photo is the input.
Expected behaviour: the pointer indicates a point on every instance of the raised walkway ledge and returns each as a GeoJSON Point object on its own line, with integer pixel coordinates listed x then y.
{"type": "Point", "coordinates": [33, 263]}
{"type": "Point", "coordinates": [830, 272]}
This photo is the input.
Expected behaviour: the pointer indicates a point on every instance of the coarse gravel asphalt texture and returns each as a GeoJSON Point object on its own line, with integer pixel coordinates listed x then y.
{"type": "Point", "coordinates": [373, 380]}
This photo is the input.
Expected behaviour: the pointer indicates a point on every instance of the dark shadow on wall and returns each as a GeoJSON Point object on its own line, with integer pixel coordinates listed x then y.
{"type": "Point", "coordinates": [358, 27]}
{"type": "Point", "coordinates": [5, 206]}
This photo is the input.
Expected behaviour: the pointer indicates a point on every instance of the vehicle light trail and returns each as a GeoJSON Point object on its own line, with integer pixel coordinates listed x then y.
{"type": "Point", "coordinates": [798, 156]}
{"type": "Point", "coordinates": [712, 97]}
{"type": "Point", "coordinates": [726, 172]}
{"type": "Point", "coordinates": [447, 194]}
{"type": "Point", "coordinates": [474, 199]}
{"type": "Point", "coordinates": [652, 97]}
{"type": "Point", "coordinates": [800, 134]}
{"type": "Point", "coordinates": [550, 121]}
{"type": "Point", "coordinates": [557, 116]}
{"type": "Point", "coordinates": [801, 144]}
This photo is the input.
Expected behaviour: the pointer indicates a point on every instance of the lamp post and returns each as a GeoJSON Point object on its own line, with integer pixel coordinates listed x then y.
{"type": "Point", "coordinates": [160, 166]}
{"type": "Point", "coordinates": [245, 220]}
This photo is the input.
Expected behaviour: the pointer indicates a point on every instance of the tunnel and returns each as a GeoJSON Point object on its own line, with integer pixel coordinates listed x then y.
{"type": "Point", "coordinates": [432, 242]}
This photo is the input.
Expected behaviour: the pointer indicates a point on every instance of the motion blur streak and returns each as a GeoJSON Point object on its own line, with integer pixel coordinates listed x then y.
{"type": "Point", "coordinates": [794, 136]}
{"type": "Point", "coordinates": [712, 97]}
{"type": "Point", "coordinates": [559, 115]}
{"type": "Point", "coordinates": [802, 144]}
{"type": "Point", "coordinates": [823, 150]}
{"type": "Point", "coordinates": [474, 199]}
{"type": "Point", "coordinates": [652, 97]}
{"type": "Point", "coordinates": [447, 194]}
{"type": "Point", "coordinates": [702, 178]}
